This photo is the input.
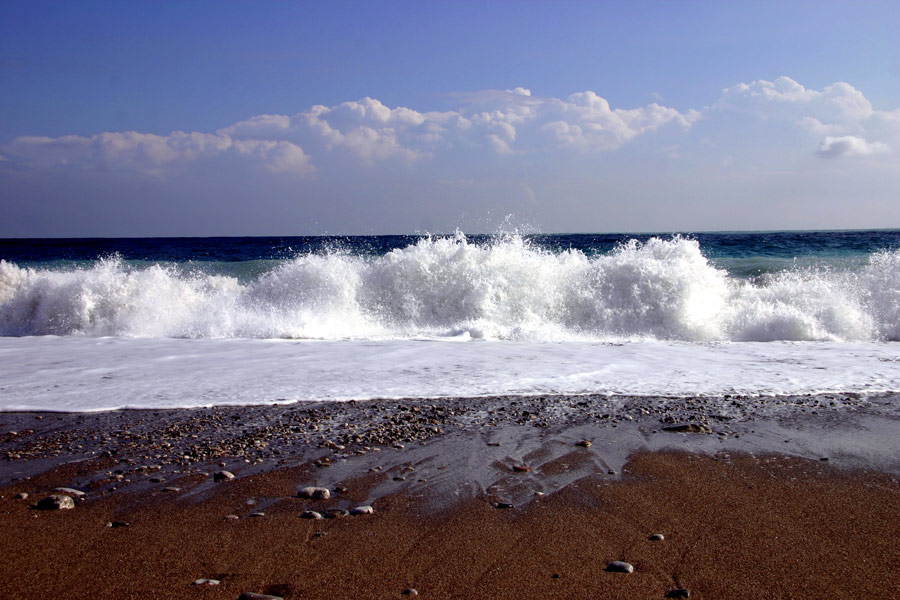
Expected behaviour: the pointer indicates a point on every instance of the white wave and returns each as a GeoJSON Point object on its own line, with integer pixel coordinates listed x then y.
{"type": "Point", "coordinates": [446, 287]}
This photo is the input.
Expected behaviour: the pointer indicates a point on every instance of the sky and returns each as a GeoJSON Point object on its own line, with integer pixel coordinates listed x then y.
{"type": "Point", "coordinates": [300, 118]}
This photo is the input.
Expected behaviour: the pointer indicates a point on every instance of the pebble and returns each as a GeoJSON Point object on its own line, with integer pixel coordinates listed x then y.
{"type": "Point", "coordinates": [618, 566]}
{"type": "Point", "coordinates": [331, 513]}
{"type": "Point", "coordinates": [410, 592]}
{"type": "Point", "coordinates": [689, 428]}
{"type": "Point", "coordinates": [584, 443]}
{"type": "Point", "coordinates": [231, 517]}
{"type": "Point", "coordinates": [252, 596]}
{"type": "Point", "coordinates": [311, 514]}
{"type": "Point", "coordinates": [22, 496]}
{"type": "Point", "coordinates": [679, 593]}
{"type": "Point", "coordinates": [504, 505]}
{"type": "Point", "coordinates": [314, 493]}
{"type": "Point", "coordinates": [207, 582]}
{"type": "Point", "coordinates": [521, 468]}
{"type": "Point", "coordinates": [223, 476]}
{"type": "Point", "coordinates": [118, 524]}
{"type": "Point", "coordinates": [258, 514]}
{"type": "Point", "coordinates": [55, 502]}
{"type": "Point", "coordinates": [70, 492]}
{"type": "Point", "coordinates": [171, 489]}
{"type": "Point", "coordinates": [656, 537]}
{"type": "Point", "coordinates": [362, 510]}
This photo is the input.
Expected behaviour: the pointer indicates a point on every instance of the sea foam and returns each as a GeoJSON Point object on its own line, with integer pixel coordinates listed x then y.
{"type": "Point", "coordinates": [440, 287]}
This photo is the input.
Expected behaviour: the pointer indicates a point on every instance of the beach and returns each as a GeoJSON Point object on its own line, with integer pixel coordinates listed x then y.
{"type": "Point", "coordinates": [503, 497]}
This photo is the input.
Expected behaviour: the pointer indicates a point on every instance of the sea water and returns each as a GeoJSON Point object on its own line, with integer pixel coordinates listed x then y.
{"type": "Point", "coordinates": [106, 323]}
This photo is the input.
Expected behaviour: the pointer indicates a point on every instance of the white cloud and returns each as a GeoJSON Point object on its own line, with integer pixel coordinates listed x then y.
{"type": "Point", "coordinates": [840, 115]}
{"type": "Point", "coordinates": [151, 154]}
{"type": "Point", "coordinates": [848, 145]}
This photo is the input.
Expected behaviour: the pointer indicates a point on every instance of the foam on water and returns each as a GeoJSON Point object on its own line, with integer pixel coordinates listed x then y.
{"type": "Point", "coordinates": [510, 289]}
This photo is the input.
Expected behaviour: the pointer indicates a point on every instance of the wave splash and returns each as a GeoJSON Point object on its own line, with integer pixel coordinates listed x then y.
{"type": "Point", "coordinates": [449, 287]}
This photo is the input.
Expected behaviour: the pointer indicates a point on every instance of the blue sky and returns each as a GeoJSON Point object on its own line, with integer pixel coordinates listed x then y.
{"type": "Point", "coordinates": [240, 118]}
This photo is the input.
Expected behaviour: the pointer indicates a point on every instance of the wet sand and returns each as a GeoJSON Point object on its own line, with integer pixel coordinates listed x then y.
{"type": "Point", "coordinates": [746, 505]}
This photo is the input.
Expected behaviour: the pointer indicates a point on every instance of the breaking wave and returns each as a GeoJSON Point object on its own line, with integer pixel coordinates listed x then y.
{"type": "Point", "coordinates": [447, 286]}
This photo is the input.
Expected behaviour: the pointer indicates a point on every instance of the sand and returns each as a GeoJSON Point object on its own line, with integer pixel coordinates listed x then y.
{"type": "Point", "coordinates": [742, 516]}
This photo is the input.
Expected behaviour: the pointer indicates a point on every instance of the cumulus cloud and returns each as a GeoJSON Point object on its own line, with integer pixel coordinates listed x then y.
{"type": "Point", "coordinates": [839, 115]}
{"type": "Point", "coordinates": [151, 154]}
{"type": "Point", "coordinates": [848, 145]}
{"type": "Point", "coordinates": [496, 122]}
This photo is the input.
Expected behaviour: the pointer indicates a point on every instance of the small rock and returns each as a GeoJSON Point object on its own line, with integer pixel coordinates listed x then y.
{"type": "Point", "coordinates": [118, 524]}
{"type": "Point", "coordinates": [223, 476]}
{"type": "Point", "coordinates": [207, 582]}
{"type": "Point", "coordinates": [689, 428]}
{"type": "Point", "coordinates": [656, 537]}
{"type": "Point", "coordinates": [55, 502]}
{"type": "Point", "coordinates": [584, 443]}
{"type": "Point", "coordinates": [21, 496]}
{"type": "Point", "coordinates": [332, 513]}
{"type": "Point", "coordinates": [410, 592]}
{"type": "Point", "coordinates": [618, 566]}
{"type": "Point", "coordinates": [70, 492]}
{"type": "Point", "coordinates": [171, 489]}
{"type": "Point", "coordinates": [252, 596]}
{"type": "Point", "coordinates": [258, 514]}
{"type": "Point", "coordinates": [521, 468]}
{"type": "Point", "coordinates": [504, 504]}
{"type": "Point", "coordinates": [311, 514]}
{"type": "Point", "coordinates": [679, 593]}
{"type": "Point", "coordinates": [362, 510]}
{"type": "Point", "coordinates": [231, 517]}
{"type": "Point", "coordinates": [314, 493]}
{"type": "Point", "coordinates": [493, 444]}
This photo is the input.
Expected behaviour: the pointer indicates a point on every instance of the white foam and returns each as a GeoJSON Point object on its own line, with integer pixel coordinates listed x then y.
{"type": "Point", "coordinates": [449, 287]}
{"type": "Point", "coordinates": [87, 374]}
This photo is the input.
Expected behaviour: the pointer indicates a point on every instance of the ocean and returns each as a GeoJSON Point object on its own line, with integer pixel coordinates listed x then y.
{"type": "Point", "coordinates": [101, 324]}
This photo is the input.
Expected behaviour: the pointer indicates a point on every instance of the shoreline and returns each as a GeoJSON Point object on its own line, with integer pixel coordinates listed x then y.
{"type": "Point", "coordinates": [746, 503]}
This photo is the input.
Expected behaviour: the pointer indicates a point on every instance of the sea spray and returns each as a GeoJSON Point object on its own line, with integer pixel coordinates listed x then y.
{"type": "Point", "coordinates": [508, 288]}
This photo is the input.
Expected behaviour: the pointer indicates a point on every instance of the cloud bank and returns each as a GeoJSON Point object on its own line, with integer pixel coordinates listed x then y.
{"type": "Point", "coordinates": [569, 164]}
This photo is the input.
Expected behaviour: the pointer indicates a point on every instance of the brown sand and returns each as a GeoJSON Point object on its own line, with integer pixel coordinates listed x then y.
{"type": "Point", "coordinates": [735, 527]}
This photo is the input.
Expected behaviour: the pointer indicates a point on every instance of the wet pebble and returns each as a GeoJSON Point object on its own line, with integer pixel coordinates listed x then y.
{"type": "Point", "coordinates": [311, 514]}
{"type": "Point", "coordinates": [223, 476]}
{"type": "Point", "coordinates": [618, 566]}
{"type": "Point", "coordinates": [584, 443]}
{"type": "Point", "coordinates": [207, 582]}
{"type": "Point", "coordinates": [314, 493]}
{"type": "Point", "coordinates": [362, 510]}
{"type": "Point", "coordinates": [504, 504]}
{"type": "Point", "coordinates": [231, 517]}
{"type": "Point", "coordinates": [410, 592]}
{"type": "Point", "coordinates": [55, 502]}
{"type": "Point", "coordinates": [679, 593]}
{"type": "Point", "coordinates": [656, 537]}
{"type": "Point", "coordinates": [21, 496]}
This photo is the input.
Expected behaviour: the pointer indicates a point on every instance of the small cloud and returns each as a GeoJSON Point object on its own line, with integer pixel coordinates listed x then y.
{"type": "Point", "coordinates": [849, 145]}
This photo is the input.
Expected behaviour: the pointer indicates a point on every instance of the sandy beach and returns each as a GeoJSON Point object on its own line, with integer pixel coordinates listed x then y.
{"type": "Point", "coordinates": [506, 497]}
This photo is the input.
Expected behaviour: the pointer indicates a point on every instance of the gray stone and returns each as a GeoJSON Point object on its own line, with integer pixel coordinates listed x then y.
{"type": "Point", "coordinates": [55, 502]}
{"type": "Point", "coordinates": [171, 489]}
{"type": "Point", "coordinates": [223, 476]}
{"type": "Point", "coordinates": [618, 566]}
{"type": "Point", "coordinates": [314, 493]}
{"type": "Point", "coordinates": [689, 428]}
{"type": "Point", "coordinates": [362, 510]}
{"type": "Point", "coordinates": [584, 443]}
{"type": "Point", "coordinates": [207, 582]}
{"type": "Point", "coordinates": [410, 592]}
{"type": "Point", "coordinates": [311, 514]}
{"type": "Point", "coordinates": [656, 537]}
{"type": "Point", "coordinates": [231, 517]}
{"type": "Point", "coordinates": [257, 514]}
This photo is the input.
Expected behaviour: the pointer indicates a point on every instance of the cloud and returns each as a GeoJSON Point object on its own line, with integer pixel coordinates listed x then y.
{"type": "Point", "coordinates": [153, 154]}
{"type": "Point", "coordinates": [848, 145]}
{"type": "Point", "coordinates": [840, 115]}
